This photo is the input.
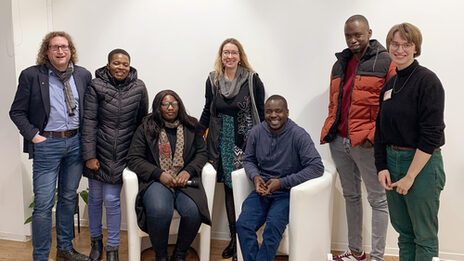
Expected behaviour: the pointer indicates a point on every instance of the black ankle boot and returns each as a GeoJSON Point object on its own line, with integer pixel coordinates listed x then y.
{"type": "Point", "coordinates": [231, 249]}
{"type": "Point", "coordinates": [178, 255]}
{"type": "Point", "coordinates": [178, 258]}
{"type": "Point", "coordinates": [97, 248]}
{"type": "Point", "coordinates": [112, 253]}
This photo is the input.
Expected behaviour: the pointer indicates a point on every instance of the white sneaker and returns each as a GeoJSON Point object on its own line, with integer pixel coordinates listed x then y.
{"type": "Point", "coordinates": [348, 256]}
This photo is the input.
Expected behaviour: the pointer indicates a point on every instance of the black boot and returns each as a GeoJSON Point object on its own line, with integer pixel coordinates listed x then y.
{"type": "Point", "coordinates": [70, 255]}
{"type": "Point", "coordinates": [231, 249]}
{"type": "Point", "coordinates": [178, 255]}
{"type": "Point", "coordinates": [112, 253]}
{"type": "Point", "coordinates": [97, 248]}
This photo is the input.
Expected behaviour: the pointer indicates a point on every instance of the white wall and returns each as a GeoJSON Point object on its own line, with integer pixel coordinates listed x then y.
{"type": "Point", "coordinates": [11, 192]}
{"type": "Point", "coordinates": [23, 24]}
{"type": "Point", "coordinates": [290, 44]}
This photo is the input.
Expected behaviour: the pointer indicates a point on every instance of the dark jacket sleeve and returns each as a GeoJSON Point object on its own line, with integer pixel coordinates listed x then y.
{"type": "Point", "coordinates": [195, 166]}
{"type": "Point", "coordinates": [259, 95]}
{"type": "Point", "coordinates": [143, 106]}
{"type": "Point", "coordinates": [250, 163]}
{"type": "Point", "coordinates": [431, 109]}
{"type": "Point", "coordinates": [204, 119]}
{"type": "Point", "coordinates": [138, 158]}
{"type": "Point", "coordinates": [19, 112]}
{"type": "Point", "coordinates": [380, 148]}
{"type": "Point", "coordinates": [310, 161]}
{"type": "Point", "coordinates": [90, 123]}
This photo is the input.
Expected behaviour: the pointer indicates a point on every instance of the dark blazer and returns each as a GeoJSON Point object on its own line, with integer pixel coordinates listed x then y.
{"type": "Point", "coordinates": [31, 106]}
{"type": "Point", "coordinates": [143, 159]}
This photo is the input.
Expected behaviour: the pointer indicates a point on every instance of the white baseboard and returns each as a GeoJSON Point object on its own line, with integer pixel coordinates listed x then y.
{"type": "Point", "coordinates": [85, 223]}
{"type": "Point", "coordinates": [14, 237]}
{"type": "Point", "coordinates": [394, 251]}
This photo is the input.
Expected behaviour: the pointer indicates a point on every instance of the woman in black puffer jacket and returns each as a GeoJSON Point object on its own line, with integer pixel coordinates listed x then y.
{"type": "Point", "coordinates": [114, 106]}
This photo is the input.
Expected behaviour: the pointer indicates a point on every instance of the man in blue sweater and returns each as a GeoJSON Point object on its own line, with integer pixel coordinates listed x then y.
{"type": "Point", "coordinates": [279, 155]}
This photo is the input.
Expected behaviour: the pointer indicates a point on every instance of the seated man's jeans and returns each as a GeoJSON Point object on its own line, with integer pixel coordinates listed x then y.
{"type": "Point", "coordinates": [55, 159]}
{"type": "Point", "coordinates": [159, 202]}
{"type": "Point", "coordinates": [257, 210]}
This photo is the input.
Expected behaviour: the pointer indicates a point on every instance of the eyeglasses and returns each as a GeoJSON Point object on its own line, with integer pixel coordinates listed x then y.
{"type": "Point", "coordinates": [55, 48]}
{"type": "Point", "coordinates": [396, 46]}
{"type": "Point", "coordinates": [166, 105]}
{"type": "Point", "coordinates": [232, 53]}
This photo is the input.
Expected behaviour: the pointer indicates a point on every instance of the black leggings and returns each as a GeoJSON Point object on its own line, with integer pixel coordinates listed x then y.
{"type": "Point", "coordinates": [230, 207]}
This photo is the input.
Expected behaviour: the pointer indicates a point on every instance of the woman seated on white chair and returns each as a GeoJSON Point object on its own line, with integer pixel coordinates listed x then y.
{"type": "Point", "coordinates": [165, 153]}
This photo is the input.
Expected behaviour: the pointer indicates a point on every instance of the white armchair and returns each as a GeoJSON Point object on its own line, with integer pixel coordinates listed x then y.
{"type": "Point", "coordinates": [308, 234]}
{"type": "Point", "coordinates": [202, 242]}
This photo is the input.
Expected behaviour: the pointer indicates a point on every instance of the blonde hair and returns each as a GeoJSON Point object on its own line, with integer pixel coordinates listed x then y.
{"type": "Point", "coordinates": [219, 67]}
{"type": "Point", "coordinates": [42, 56]}
{"type": "Point", "coordinates": [409, 32]}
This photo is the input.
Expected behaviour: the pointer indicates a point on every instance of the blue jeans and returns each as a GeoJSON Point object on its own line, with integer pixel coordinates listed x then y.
{"type": "Point", "coordinates": [159, 202]}
{"type": "Point", "coordinates": [257, 210]}
{"type": "Point", "coordinates": [99, 193]}
{"type": "Point", "coordinates": [55, 159]}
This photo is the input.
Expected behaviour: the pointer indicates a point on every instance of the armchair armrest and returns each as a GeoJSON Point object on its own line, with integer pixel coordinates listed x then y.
{"type": "Point", "coordinates": [208, 178]}
{"type": "Point", "coordinates": [310, 218]}
{"type": "Point", "coordinates": [242, 187]}
{"type": "Point", "coordinates": [131, 188]}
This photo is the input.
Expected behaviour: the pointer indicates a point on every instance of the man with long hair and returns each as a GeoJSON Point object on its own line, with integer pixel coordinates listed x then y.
{"type": "Point", "coordinates": [47, 109]}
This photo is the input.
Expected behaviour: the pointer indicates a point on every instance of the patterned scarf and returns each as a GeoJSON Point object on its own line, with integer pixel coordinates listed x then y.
{"type": "Point", "coordinates": [64, 78]}
{"type": "Point", "coordinates": [168, 162]}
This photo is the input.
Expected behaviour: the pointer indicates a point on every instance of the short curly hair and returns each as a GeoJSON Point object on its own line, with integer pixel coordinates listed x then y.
{"type": "Point", "coordinates": [42, 56]}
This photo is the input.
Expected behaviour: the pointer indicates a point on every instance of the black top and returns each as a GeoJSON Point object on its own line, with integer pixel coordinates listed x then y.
{"type": "Point", "coordinates": [413, 116]}
{"type": "Point", "coordinates": [172, 137]}
{"type": "Point", "coordinates": [237, 107]}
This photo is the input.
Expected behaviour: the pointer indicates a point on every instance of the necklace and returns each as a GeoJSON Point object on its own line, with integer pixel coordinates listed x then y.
{"type": "Point", "coordinates": [394, 83]}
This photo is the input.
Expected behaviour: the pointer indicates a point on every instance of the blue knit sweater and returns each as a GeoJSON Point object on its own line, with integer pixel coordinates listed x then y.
{"type": "Point", "coordinates": [289, 156]}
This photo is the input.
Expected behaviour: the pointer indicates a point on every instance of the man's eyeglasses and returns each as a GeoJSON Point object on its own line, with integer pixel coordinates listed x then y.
{"type": "Point", "coordinates": [55, 48]}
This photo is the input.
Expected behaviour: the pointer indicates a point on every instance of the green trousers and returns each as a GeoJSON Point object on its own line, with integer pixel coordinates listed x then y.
{"type": "Point", "coordinates": [415, 215]}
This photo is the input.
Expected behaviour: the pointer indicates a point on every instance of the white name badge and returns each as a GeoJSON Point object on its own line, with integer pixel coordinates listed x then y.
{"type": "Point", "coordinates": [387, 95]}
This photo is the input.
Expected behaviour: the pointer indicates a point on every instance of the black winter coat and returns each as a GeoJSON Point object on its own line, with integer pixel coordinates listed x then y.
{"type": "Point", "coordinates": [112, 112]}
{"type": "Point", "coordinates": [143, 159]}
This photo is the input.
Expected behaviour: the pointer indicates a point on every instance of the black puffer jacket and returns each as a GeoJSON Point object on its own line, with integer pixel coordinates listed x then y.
{"type": "Point", "coordinates": [112, 112]}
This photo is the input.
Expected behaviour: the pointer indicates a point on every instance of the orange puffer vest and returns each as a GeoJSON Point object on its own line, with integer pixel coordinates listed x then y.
{"type": "Point", "coordinates": [374, 68]}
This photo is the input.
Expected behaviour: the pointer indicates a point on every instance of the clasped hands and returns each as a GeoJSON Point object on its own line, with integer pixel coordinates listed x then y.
{"type": "Point", "coordinates": [266, 188]}
{"type": "Point", "coordinates": [402, 186]}
{"type": "Point", "coordinates": [179, 181]}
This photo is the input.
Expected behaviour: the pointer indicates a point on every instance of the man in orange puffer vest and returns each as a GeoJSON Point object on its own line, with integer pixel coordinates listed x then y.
{"type": "Point", "coordinates": [356, 80]}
